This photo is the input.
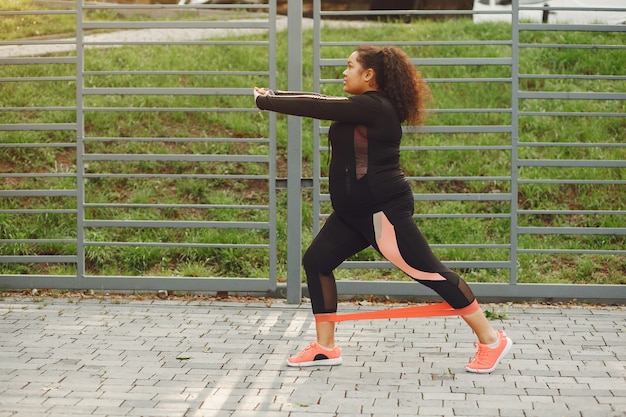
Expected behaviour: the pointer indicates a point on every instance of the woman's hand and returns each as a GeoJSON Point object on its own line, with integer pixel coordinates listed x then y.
{"type": "Point", "coordinates": [259, 92]}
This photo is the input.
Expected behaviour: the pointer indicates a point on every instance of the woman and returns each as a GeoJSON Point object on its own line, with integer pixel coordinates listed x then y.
{"type": "Point", "coordinates": [373, 203]}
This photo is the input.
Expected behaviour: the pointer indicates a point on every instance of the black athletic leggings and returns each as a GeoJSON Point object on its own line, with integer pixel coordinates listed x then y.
{"type": "Point", "coordinates": [393, 233]}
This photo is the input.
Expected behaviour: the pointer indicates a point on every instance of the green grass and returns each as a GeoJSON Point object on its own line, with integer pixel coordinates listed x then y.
{"type": "Point", "coordinates": [129, 187]}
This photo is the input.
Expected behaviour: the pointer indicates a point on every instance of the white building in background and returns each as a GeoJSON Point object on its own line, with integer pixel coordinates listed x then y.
{"type": "Point", "coordinates": [558, 16]}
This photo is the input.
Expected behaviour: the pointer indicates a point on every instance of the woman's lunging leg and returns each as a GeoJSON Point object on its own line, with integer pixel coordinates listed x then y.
{"type": "Point", "coordinates": [407, 249]}
{"type": "Point", "coordinates": [399, 239]}
{"type": "Point", "coordinates": [336, 242]}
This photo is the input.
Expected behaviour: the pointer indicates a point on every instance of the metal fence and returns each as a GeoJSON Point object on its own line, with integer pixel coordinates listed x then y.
{"type": "Point", "coordinates": [156, 180]}
{"type": "Point", "coordinates": [115, 106]}
{"type": "Point", "coordinates": [503, 132]}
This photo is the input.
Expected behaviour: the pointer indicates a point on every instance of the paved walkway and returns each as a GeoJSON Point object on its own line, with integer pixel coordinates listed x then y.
{"type": "Point", "coordinates": [109, 39]}
{"type": "Point", "coordinates": [132, 35]}
{"type": "Point", "coordinates": [118, 357]}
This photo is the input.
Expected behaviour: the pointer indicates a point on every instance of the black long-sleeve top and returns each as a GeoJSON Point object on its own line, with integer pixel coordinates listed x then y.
{"type": "Point", "coordinates": [365, 138]}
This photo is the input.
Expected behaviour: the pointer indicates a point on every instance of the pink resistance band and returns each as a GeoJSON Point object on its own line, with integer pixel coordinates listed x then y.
{"type": "Point", "coordinates": [433, 310]}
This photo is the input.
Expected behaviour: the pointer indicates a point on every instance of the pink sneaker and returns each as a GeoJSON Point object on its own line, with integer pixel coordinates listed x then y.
{"type": "Point", "coordinates": [487, 358]}
{"type": "Point", "coordinates": [314, 355]}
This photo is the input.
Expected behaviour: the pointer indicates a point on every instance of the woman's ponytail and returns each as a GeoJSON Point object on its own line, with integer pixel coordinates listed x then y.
{"type": "Point", "coordinates": [396, 75]}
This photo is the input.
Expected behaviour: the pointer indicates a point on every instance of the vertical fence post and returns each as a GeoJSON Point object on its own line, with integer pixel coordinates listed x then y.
{"type": "Point", "coordinates": [294, 155]}
{"type": "Point", "coordinates": [80, 147]}
{"type": "Point", "coordinates": [514, 139]}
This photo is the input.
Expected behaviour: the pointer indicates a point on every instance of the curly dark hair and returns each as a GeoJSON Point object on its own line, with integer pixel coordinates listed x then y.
{"type": "Point", "coordinates": [398, 77]}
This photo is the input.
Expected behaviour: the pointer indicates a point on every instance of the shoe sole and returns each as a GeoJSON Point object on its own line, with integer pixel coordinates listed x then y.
{"type": "Point", "coordinates": [506, 350]}
{"type": "Point", "coordinates": [319, 362]}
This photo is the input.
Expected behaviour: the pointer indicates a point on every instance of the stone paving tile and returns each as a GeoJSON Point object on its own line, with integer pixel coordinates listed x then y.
{"type": "Point", "coordinates": [153, 358]}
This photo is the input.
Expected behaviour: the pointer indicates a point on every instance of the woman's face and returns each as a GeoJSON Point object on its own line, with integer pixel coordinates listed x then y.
{"type": "Point", "coordinates": [356, 80]}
